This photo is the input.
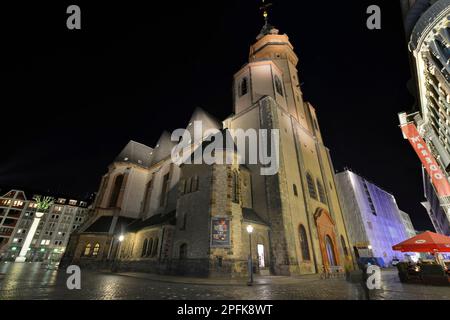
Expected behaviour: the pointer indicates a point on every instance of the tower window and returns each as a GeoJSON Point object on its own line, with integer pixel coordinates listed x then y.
{"type": "Point", "coordinates": [164, 190]}
{"type": "Point", "coordinates": [321, 191]}
{"type": "Point", "coordinates": [278, 85]}
{"type": "Point", "coordinates": [235, 191]}
{"type": "Point", "coordinates": [113, 202]}
{"type": "Point", "coordinates": [243, 87]}
{"type": "Point", "coordinates": [295, 190]}
{"type": "Point", "coordinates": [304, 244]}
{"type": "Point", "coordinates": [344, 246]}
{"type": "Point", "coordinates": [311, 186]}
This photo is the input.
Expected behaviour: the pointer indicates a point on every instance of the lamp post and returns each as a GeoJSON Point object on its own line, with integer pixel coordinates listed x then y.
{"type": "Point", "coordinates": [250, 259]}
{"type": "Point", "coordinates": [117, 253]}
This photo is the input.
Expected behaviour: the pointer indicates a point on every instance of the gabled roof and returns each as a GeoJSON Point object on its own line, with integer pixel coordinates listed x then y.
{"type": "Point", "coordinates": [163, 148]}
{"type": "Point", "coordinates": [208, 122]}
{"type": "Point", "coordinates": [137, 153]}
{"type": "Point", "coordinates": [103, 224]}
{"type": "Point", "coordinates": [250, 215]}
{"type": "Point", "coordinates": [155, 220]}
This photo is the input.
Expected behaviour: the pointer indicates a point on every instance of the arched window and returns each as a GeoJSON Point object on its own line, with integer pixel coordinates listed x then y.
{"type": "Point", "coordinates": [87, 250]}
{"type": "Point", "coordinates": [148, 193]}
{"type": "Point", "coordinates": [311, 186]}
{"type": "Point", "coordinates": [183, 251]}
{"type": "Point", "coordinates": [304, 243]}
{"type": "Point", "coordinates": [243, 87]}
{"type": "Point", "coordinates": [113, 200]}
{"type": "Point", "coordinates": [344, 246]}
{"type": "Point", "coordinates": [96, 249]}
{"type": "Point", "coordinates": [155, 248]}
{"type": "Point", "coordinates": [235, 196]}
{"type": "Point", "coordinates": [278, 85]}
{"type": "Point", "coordinates": [295, 190]}
{"type": "Point", "coordinates": [149, 248]}
{"type": "Point", "coordinates": [144, 248]}
{"type": "Point", "coordinates": [321, 191]}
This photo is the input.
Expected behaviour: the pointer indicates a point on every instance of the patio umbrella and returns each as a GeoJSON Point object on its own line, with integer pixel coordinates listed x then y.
{"type": "Point", "coordinates": [425, 242]}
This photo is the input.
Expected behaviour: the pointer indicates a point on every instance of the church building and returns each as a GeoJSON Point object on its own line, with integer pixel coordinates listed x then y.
{"type": "Point", "coordinates": [154, 215]}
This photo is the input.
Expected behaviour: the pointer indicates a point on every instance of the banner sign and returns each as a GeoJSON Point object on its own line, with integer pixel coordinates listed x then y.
{"type": "Point", "coordinates": [438, 178]}
{"type": "Point", "coordinates": [220, 233]}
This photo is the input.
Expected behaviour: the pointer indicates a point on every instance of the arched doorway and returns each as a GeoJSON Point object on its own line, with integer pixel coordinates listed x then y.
{"type": "Point", "coordinates": [330, 251]}
{"type": "Point", "coordinates": [327, 235]}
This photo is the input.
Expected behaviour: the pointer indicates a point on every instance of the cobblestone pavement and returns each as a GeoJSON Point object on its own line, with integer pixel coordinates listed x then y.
{"type": "Point", "coordinates": [31, 281]}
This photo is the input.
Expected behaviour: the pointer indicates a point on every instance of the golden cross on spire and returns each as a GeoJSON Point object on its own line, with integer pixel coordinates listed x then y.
{"type": "Point", "coordinates": [264, 8]}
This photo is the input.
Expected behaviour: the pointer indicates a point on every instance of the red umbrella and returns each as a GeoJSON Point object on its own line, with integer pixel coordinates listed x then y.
{"type": "Point", "coordinates": [425, 242]}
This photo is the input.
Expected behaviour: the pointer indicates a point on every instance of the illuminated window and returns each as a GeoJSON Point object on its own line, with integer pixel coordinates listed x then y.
{"type": "Point", "coordinates": [87, 250]}
{"type": "Point", "coordinates": [96, 249]}
{"type": "Point", "coordinates": [73, 202]}
{"type": "Point", "coordinates": [149, 248]}
{"type": "Point", "coordinates": [144, 248]}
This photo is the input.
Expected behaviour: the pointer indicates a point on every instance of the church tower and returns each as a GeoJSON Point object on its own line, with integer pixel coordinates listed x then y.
{"type": "Point", "coordinates": [300, 202]}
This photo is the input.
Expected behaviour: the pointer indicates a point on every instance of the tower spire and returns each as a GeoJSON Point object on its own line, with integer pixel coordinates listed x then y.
{"type": "Point", "coordinates": [267, 28]}
{"type": "Point", "coordinates": [265, 10]}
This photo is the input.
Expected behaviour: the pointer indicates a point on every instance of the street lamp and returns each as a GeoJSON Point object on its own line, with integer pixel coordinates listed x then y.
{"type": "Point", "coordinates": [250, 260]}
{"type": "Point", "coordinates": [121, 238]}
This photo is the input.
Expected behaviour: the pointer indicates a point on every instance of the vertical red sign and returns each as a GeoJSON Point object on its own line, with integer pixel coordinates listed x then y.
{"type": "Point", "coordinates": [438, 178]}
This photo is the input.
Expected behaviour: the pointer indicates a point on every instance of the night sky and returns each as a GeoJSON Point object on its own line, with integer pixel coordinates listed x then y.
{"type": "Point", "coordinates": [73, 99]}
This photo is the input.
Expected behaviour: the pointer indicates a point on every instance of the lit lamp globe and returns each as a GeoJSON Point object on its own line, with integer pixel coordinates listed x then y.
{"type": "Point", "coordinates": [249, 228]}
{"type": "Point", "coordinates": [121, 238]}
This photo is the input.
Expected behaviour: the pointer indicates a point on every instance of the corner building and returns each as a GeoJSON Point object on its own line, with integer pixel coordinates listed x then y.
{"type": "Point", "coordinates": [192, 218]}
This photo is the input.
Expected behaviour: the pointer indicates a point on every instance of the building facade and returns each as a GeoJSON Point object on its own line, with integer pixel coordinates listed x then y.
{"type": "Point", "coordinates": [153, 214]}
{"type": "Point", "coordinates": [427, 126]}
{"type": "Point", "coordinates": [52, 235]}
{"type": "Point", "coordinates": [406, 220]}
{"type": "Point", "coordinates": [372, 217]}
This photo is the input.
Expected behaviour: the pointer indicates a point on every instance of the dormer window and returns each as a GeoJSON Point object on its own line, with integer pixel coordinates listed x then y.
{"type": "Point", "coordinates": [243, 87]}
{"type": "Point", "coordinates": [278, 85]}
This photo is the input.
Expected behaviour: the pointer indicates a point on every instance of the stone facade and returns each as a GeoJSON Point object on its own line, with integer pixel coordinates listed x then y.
{"type": "Point", "coordinates": [199, 213]}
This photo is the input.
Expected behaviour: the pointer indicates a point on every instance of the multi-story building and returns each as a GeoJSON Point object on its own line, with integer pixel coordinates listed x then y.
{"type": "Point", "coordinates": [372, 217]}
{"type": "Point", "coordinates": [435, 210]}
{"type": "Point", "coordinates": [406, 220]}
{"type": "Point", "coordinates": [427, 126]}
{"type": "Point", "coordinates": [50, 239]}
{"type": "Point", "coordinates": [193, 218]}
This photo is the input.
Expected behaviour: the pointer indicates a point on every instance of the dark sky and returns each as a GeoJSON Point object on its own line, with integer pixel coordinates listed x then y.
{"type": "Point", "coordinates": [73, 99]}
